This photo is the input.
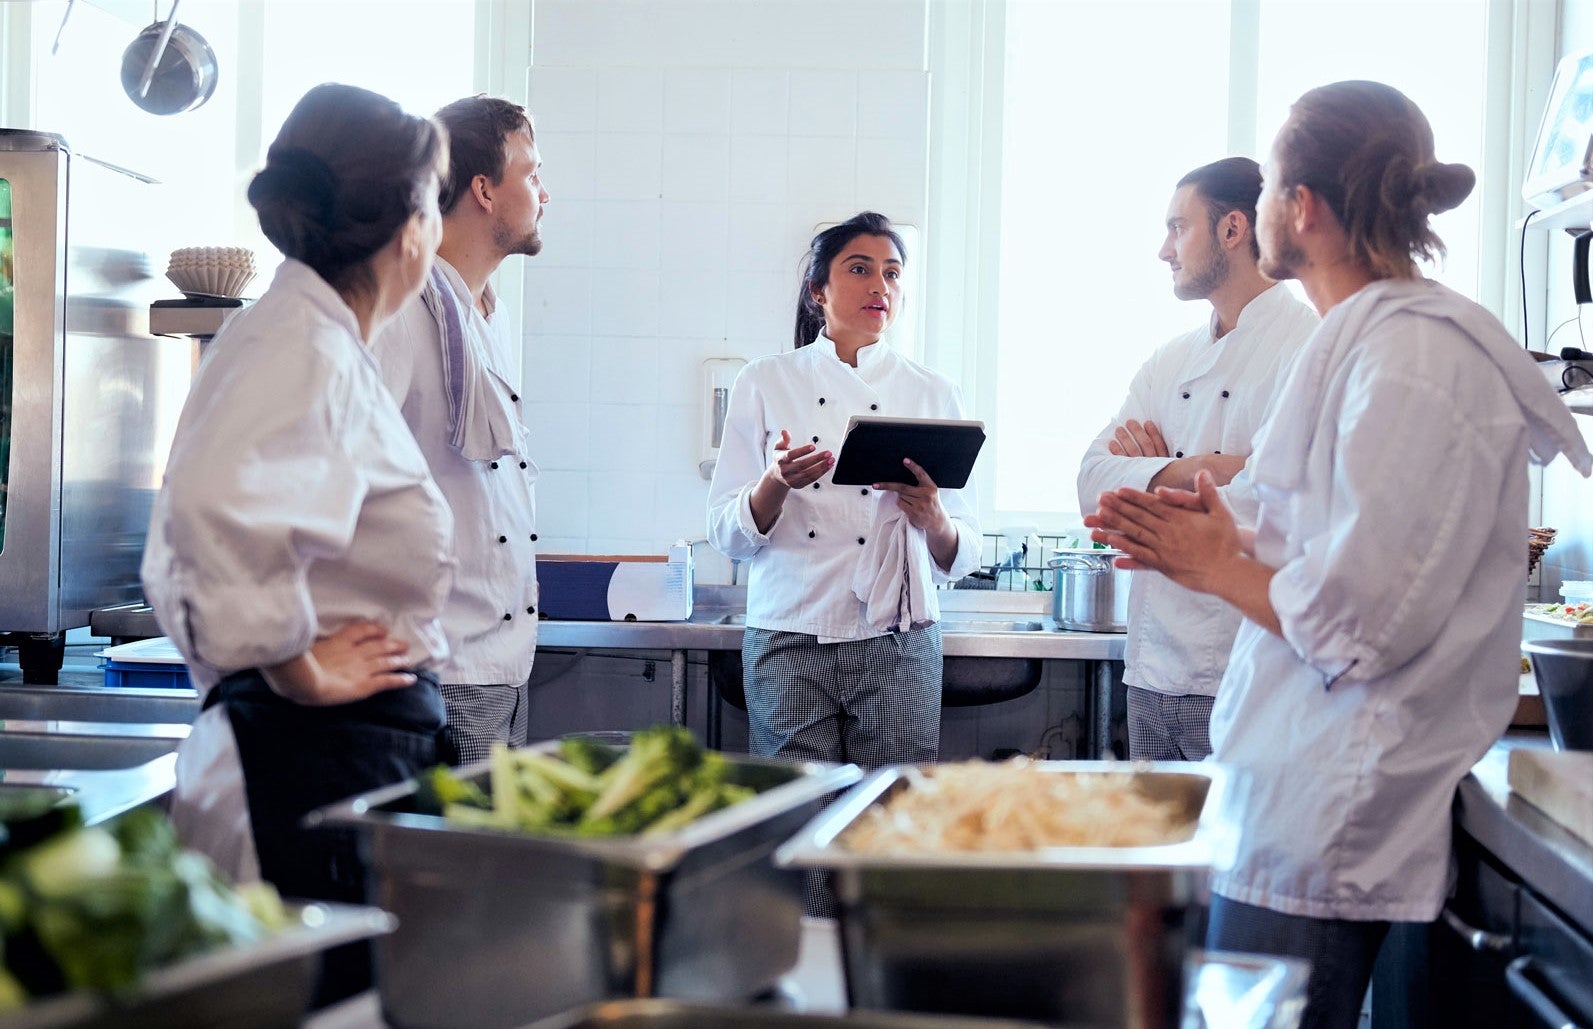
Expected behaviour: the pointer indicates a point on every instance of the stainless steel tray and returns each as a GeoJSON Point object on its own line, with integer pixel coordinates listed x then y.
{"type": "Point", "coordinates": [1091, 935]}
{"type": "Point", "coordinates": [267, 984]}
{"type": "Point", "coordinates": [520, 926]}
{"type": "Point", "coordinates": [1226, 991]}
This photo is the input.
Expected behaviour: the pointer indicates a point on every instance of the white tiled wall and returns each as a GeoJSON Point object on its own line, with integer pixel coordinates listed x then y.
{"type": "Point", "coordinates": [690, 148]}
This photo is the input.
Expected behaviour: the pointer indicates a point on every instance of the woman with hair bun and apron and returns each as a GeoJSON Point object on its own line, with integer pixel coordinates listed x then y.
{"type": "Point", "coordinates": [298, 553]}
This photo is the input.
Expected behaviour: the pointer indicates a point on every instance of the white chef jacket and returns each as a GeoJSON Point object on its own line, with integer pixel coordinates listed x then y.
{"type": "Point", "coordinates": [1207, 395]}
{"type": "Point", "coordinates": [800, 573]}
{"type": "Point", "coordinates": [490, 617]}
{"type": "Point", "coordinates": [1392, 480]}
{"type": "Point", "coordinates": [295, 501]}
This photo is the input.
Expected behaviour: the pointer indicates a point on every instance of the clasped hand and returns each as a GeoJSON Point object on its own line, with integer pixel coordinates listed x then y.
{"type": "Point", "coordinates": [1190, 537]}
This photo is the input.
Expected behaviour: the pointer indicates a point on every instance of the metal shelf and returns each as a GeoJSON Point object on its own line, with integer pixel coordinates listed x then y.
{"type": "Point", "coordinates": [1574, 215]}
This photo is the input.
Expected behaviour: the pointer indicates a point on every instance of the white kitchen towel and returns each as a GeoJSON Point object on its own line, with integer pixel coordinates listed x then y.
{"type": "Point", "coordinates": [893, 577]}
{"type": "Point", "coordinates": [1284, 439]}
{"type": "Point", "coordinates": [480, 418]}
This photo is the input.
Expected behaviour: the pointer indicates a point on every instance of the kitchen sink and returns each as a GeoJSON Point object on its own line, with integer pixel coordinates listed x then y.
{"type": "Point", "coordinates": [85, 745]}
{"type": "Point", "coordinates": [80, 704]}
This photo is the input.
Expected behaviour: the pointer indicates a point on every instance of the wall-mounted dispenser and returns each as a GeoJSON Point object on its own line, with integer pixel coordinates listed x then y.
{"type": "Point", "coordinates": [718, 375]}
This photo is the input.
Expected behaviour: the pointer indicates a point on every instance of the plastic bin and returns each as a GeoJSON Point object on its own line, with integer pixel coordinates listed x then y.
{"type": "Point", "coordinates": [146, 664]}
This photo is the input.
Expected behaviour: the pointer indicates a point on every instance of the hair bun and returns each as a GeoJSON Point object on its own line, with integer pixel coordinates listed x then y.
{"type": "Point", "coordinates": [1445, 186]}
{"type": "Point", "coordinates": [302, 178]}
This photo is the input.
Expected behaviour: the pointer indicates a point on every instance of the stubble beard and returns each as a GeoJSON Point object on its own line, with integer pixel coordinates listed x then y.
{"type": "Point", "coordinates": [527, 245]}
{"type": "Point", "coordinates": [1203, 283]}
{"type": "Point", "coordinates": [1281, 258]}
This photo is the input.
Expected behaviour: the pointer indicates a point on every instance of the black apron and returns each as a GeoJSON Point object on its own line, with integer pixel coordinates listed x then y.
{"type": "Point", "coordinates": [297, 758]}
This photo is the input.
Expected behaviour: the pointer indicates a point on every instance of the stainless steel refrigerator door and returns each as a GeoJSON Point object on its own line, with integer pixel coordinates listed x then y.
{"type": "Point", "coordinates": [29, 558]}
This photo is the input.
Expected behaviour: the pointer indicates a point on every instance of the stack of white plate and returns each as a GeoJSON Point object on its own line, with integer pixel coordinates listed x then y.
{"type": "Point", "coordinates": [211, 271]}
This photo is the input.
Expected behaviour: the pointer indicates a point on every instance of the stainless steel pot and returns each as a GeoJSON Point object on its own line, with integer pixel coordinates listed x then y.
{"type": "Point", "coordinates": [1090, 593]}
{"type": "Point", "coordinates": [169, 68]}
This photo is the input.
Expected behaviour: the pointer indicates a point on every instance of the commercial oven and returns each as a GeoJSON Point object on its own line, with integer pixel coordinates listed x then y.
{"type": "Point", "coordinates": [88, 398]}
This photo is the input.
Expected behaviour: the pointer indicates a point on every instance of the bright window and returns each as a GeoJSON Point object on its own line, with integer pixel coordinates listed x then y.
{"type": "Point", "coordinates": [422, 53]}
{"type": "Point", "coordinates": [1106, 106]}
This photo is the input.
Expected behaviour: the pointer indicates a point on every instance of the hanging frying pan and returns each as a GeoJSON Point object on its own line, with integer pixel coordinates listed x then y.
{"type": "Point", "coordinates": [169, 68]}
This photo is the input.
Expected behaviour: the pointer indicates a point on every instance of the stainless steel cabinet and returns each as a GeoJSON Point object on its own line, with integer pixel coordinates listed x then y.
{"type": "Point", "coordinates": [1498, 957]}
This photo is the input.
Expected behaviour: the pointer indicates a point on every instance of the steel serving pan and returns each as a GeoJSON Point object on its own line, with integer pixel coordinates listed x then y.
{"type": "Point", "coordinates": [1094, 935]}
{"type": "Point", "coordinates": [521, 926]}
{"type": "Point", "coordinates": [264, 984]}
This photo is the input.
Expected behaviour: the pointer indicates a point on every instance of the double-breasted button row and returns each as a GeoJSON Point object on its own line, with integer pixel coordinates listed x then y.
{"type": "Point", "coordinates": [1185, 394]}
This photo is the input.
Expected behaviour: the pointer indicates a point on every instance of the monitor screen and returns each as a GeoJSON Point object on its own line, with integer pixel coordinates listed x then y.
{"type": "Point", "coordinates": [1562, 159]}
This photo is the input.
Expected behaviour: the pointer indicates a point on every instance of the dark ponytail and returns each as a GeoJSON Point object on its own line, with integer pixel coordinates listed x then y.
{"type": "Point", "coordinates": [826, 246]}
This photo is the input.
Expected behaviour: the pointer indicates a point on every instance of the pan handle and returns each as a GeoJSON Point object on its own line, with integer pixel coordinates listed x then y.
{"type": "Point", "coordinates": [160, 50]}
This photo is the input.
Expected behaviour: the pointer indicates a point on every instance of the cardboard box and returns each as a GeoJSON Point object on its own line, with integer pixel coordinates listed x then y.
{"type": "Point", "coordinates": [616, 588]}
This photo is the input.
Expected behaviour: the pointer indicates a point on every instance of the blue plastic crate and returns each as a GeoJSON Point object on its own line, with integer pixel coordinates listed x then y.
{"type": "Point", "coordinates": [146, 664]}
{"type": "Point", "coordinates": [147, 677]}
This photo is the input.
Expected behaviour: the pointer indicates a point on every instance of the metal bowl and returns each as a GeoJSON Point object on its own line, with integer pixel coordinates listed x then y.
{"type": "Point", "coordinates": [1564, 670]}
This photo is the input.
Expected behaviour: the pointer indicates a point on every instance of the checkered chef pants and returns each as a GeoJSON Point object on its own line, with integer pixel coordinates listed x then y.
{"type": "Point", "coordinates": [478, 715]}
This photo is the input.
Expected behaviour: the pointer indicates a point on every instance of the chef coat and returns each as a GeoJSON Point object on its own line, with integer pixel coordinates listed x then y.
{"type": "Point", "coordinates": [295, 501]}
{"type": "Point", "coordinates": [800, 573]}
{"type": "Point", "coordinates": [490, 617]}
{"type": "Point", "coordinates": [1392, 482]}
{"type": "Point", "coordinates": [1207, 395]}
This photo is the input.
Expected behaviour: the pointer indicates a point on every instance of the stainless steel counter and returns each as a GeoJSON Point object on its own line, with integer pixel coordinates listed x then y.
{"type": "Point", "coordinates": [1540, 851]}
{"type": "Point", "coordinates": [713, 626]}
{"type": "Point", "coordinates": [705, 632]}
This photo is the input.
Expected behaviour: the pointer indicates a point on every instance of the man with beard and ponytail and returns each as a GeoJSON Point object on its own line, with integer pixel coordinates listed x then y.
{"type": "Point", "coordinates": [1192, 407]}
{"type": "Point", "coordinates": [1377, 660]}
{"type": "Point", "coordinates": [448, 359]}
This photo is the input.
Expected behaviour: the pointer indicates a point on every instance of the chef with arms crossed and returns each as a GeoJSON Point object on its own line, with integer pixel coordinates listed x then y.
{"type": "Point", "coordinates": [298, 553]}
{"type": "Point", "coordinates": [1195, 405]}
{"type": "Point", "coordinates": [1381, 586]}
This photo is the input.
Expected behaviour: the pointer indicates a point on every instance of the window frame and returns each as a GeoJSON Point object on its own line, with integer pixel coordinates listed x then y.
{"type": "Point", "coordinates": [967, 61]}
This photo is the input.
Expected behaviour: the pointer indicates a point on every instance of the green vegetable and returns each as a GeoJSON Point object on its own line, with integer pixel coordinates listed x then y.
{"type": "Point", "coordinates": [662, 783]}
{"type": "Point", "coordinates": [98, 907]}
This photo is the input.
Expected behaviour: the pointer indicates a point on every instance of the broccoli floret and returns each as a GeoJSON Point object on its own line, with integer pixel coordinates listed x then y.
{"type": "Point", "coordinates": [437, 788]}
{"type": "Point", "coordinates": [589, 756]}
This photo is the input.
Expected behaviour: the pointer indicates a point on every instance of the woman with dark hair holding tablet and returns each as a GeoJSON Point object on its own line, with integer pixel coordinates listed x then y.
{"type": "Point", "coordinates": [298, 553]}
{"type": "Point", "coordinates": [842, 656]}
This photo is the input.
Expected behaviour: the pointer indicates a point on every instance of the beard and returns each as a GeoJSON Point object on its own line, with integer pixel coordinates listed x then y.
{"type": "Point", "coordinates": [1281, 256]}
{"type": "Point", "coordinates": [1202, 282]}
{"type": "Point", "coordinates": [528, 244]}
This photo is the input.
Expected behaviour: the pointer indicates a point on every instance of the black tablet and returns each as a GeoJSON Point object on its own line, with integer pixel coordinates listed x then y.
{"type": "Point", "coordinates": [874, 448]}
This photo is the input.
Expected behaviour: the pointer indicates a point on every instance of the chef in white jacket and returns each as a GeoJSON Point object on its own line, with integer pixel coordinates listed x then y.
{"type": "Point", "coordinates": [298, 552]}
{"type": "Point", "coordinates": [1195, 405]}
{"type": "Point", "coordinates": [1383, 583]}
{"type": "Point", "coordinates": [448, 358]}
{"type": "Point", "coordinates": [842, 654]}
